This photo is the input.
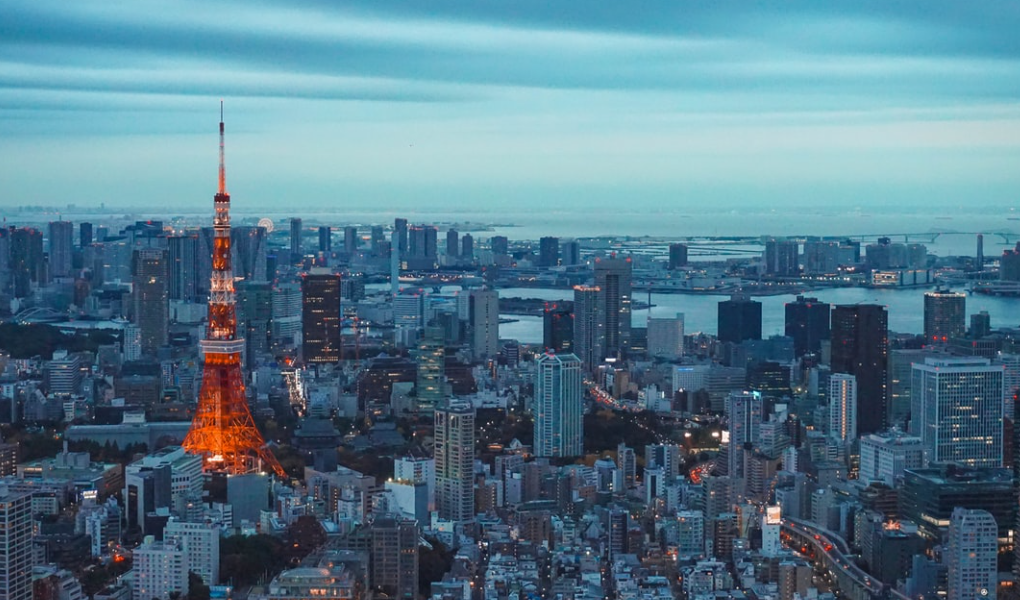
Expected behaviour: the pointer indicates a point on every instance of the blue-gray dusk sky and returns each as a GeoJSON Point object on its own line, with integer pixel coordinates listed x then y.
{"type": "Point", "coordinates": [403, 104]}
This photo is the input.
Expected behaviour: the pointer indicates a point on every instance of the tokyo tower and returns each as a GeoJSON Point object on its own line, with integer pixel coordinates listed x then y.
{"type": "Point", "coordinates": [223, 430]}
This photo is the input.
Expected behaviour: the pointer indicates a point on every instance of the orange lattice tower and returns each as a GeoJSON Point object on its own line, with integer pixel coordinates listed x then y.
{"type": "Point", "coordinates": [223, 430]}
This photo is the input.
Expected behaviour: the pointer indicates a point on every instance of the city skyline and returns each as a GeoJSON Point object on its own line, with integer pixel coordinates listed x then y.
{"type": "Point", "coordinates": [452, 105]}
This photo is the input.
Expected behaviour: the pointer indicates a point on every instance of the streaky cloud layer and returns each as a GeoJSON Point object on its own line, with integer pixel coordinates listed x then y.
{"type": "Point", "coordinates": [522, 103]}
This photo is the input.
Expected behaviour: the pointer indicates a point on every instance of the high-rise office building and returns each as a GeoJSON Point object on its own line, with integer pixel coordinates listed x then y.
{"type": "Point", "coordinates": [739, 319]}
{"type": "Point", "coordinates": [320, 317]}
{"type": "Point", "coordinates": [589, 328]}
{"type": "Point", "coordinates": [26, 263]}
{"type": "Point", "coordinates": [1009, 264]}
{"type": "Point", "coordinates": [400, 228]}
{"type": "Point", "coordinates": [842, 399]}
{"type": "Point", "coordinates": [500, 245]}
{"type": "Point", "coordinates": [394, 554]}
{"type": "Point", "coordinates": [150, 306]}
{"type": "Point", "coordinates": [351, 240]}
{"type": "Point", "coordinates": [296, 232]}
{"type": "Point", "coordinates": [422, 252]}
{"type": "Point", "coordinates": [971, 555]}
{"type": "Point", "coordinates": [325, 238]}
{"type": "Point", "coordinates": [677, 256]}
{"type": "Point", "coordinates": [431, 361]}
{"type": "Point", "coordinates": [961, 404]}
{"type": "Point", "coordinates": [84, 234]}
{"type": "Point", "coordinates": [15, 544]}
{"type": "Point", "coordinates": [452, 243]}
{"type": "Point", "coordinates": [860, 347]}
{"type": "Point", "coordinates": [254, 315]}
{"type": "Point", "coordinates": [666, 337]}
{"type": "Point", "coordinates": [182, 263]}
{"type": "Point", "coordinates": [61, 248]}
{"type": "Point", "coordinates": [549, 251]}
{"type": "Point", "coordinates": [248, 247]}
{"type": "Point", "coordinates": [454, 451]}
{"type": "Point", "coordinates": [467, 247]}
{"type": "Point", "coordinates": [613, 280]}
{"type": "Point", "coordinates": [807, 322]}
{"type": "Point", "coordinates": [745, 413]}
{"type": "Point", "coordinates": [945, 316]}
{"type": "Point", "coordinates": [558, 406]}
{"type": "Point", "coordinates": [558, 327]}
{"type": "Point", "coordinates": [570, 253]}
{"type": "Point", "coordinates": [781, 258]}
{"type": "Point", "coordinates": [483, 322]}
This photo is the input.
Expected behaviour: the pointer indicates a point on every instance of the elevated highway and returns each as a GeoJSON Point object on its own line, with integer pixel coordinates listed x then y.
{"type": "Point", "coordinates": [829, 554]}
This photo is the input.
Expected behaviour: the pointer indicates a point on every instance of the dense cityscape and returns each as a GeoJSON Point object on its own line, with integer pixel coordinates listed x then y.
{"type": "Point", "coordinates": [528, 300]}
{"type": "Point", "coordinates": [234, 411]}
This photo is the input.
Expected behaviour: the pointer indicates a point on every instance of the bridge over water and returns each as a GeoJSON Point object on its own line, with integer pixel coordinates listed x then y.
{"type": "Point", "coordinates": [1007, 236]}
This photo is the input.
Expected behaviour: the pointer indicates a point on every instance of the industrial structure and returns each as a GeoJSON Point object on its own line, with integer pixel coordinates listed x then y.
{"type": "Point", "coordinates": [223, 430]}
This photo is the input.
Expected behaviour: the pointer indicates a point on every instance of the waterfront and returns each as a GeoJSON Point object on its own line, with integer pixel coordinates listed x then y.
{"type": "Point", "coordinates": [905, 306]}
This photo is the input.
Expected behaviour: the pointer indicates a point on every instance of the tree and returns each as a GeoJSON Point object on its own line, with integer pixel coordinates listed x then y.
{"type": "Point", "coordinates": [197, 589]}
{"type": "Point", "coordinates": [433, 563]}
{"type": "Point", "coordinates": [244, 560]}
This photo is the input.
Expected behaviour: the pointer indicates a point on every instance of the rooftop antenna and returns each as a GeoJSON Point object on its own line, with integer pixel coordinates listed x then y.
{"type": "Point", "coordinates": [223, 168]}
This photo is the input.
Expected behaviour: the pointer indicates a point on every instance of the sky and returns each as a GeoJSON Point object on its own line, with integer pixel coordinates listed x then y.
{"type": "Point", "coordinates": [496, 105]}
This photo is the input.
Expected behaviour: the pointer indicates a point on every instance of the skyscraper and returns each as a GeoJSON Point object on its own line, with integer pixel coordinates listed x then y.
{"type": "Point", "coordinates": [351, 241]}
{"type": "Point", "coordinates": [589, 329]}
{"type": "Point", "coordinates": [422, 252]}
{"type": "Point", "coordinates": [467, 247]}
{"type": "Point", "coordinates": [455, 454]}
{"type": "Point", "coordinates": [807, 322]}
{"type": "Point", "coordinates": [677, 256]}
{"type": "Point", "coordinates": [1009, 264]}
{"type": "Point", "coordinates": [400, 228]}
{"type": "Point", "coordinates": [971, 555]}
{"type": "Point", "coordinates": [296, 251]}
{"type": "Point", "coordinates": [150, 308]}
{"type": "Point", "coordinates": [182, 259]}
{"type": "Point", "coordinates": [558, 327]}
{"type": "Point", "coordinates": [84, 234]}
{"type": "Point", "coordinates": [961, 402]}
{"type": "Point", "coordinates": [452, 243]}
{"type": "Point", "coordinates": [745, 413]}
{"type": "Point", "coordinates": [254, 314]}
{"type": "Point", "coordinates": [26, 264]}
{"type": "Point", "coordinates": [325, 238]}
{"type": "Point", "coordinates": [570, 253]}
{"type": "Point", "coordinates": [781, 258]}
{"type": "Point", "coordinates": [860, 347]}
{"type": "Point", "coordinates": [483, 322]}
{"type": "Point", "coordinates": [945, 316]}
{"type": "Point", "coordinates": [548, 251]}
{"type": "Point", "coordinates": [15, 544]}
{"type": "Point", "coordinates": [431, 360]}
{"type": "Point", "coordinates": [613, 280]}
{"type": "Point", "coordinates": [500, 245]}
{"type": "Point", "coordinates": [320, 317]}
{"type": "Point", "coordinates": [843, 407]}
{"type": "Point", "coordinates": [248, 247]}
{"type": "Point", "coordinates": [739, 319]}
{"type": "Point", "coordinates": [61, 248]}
{"type": "Point", "coordinates": [558, 406]}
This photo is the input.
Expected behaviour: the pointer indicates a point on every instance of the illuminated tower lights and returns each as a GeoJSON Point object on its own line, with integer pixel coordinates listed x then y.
{"type": "Point", "coordinates": [223, 430]}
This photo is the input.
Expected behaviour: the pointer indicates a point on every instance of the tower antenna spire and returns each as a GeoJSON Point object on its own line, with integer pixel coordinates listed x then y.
{"type": "Point", "coordinates": [223, 166]}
